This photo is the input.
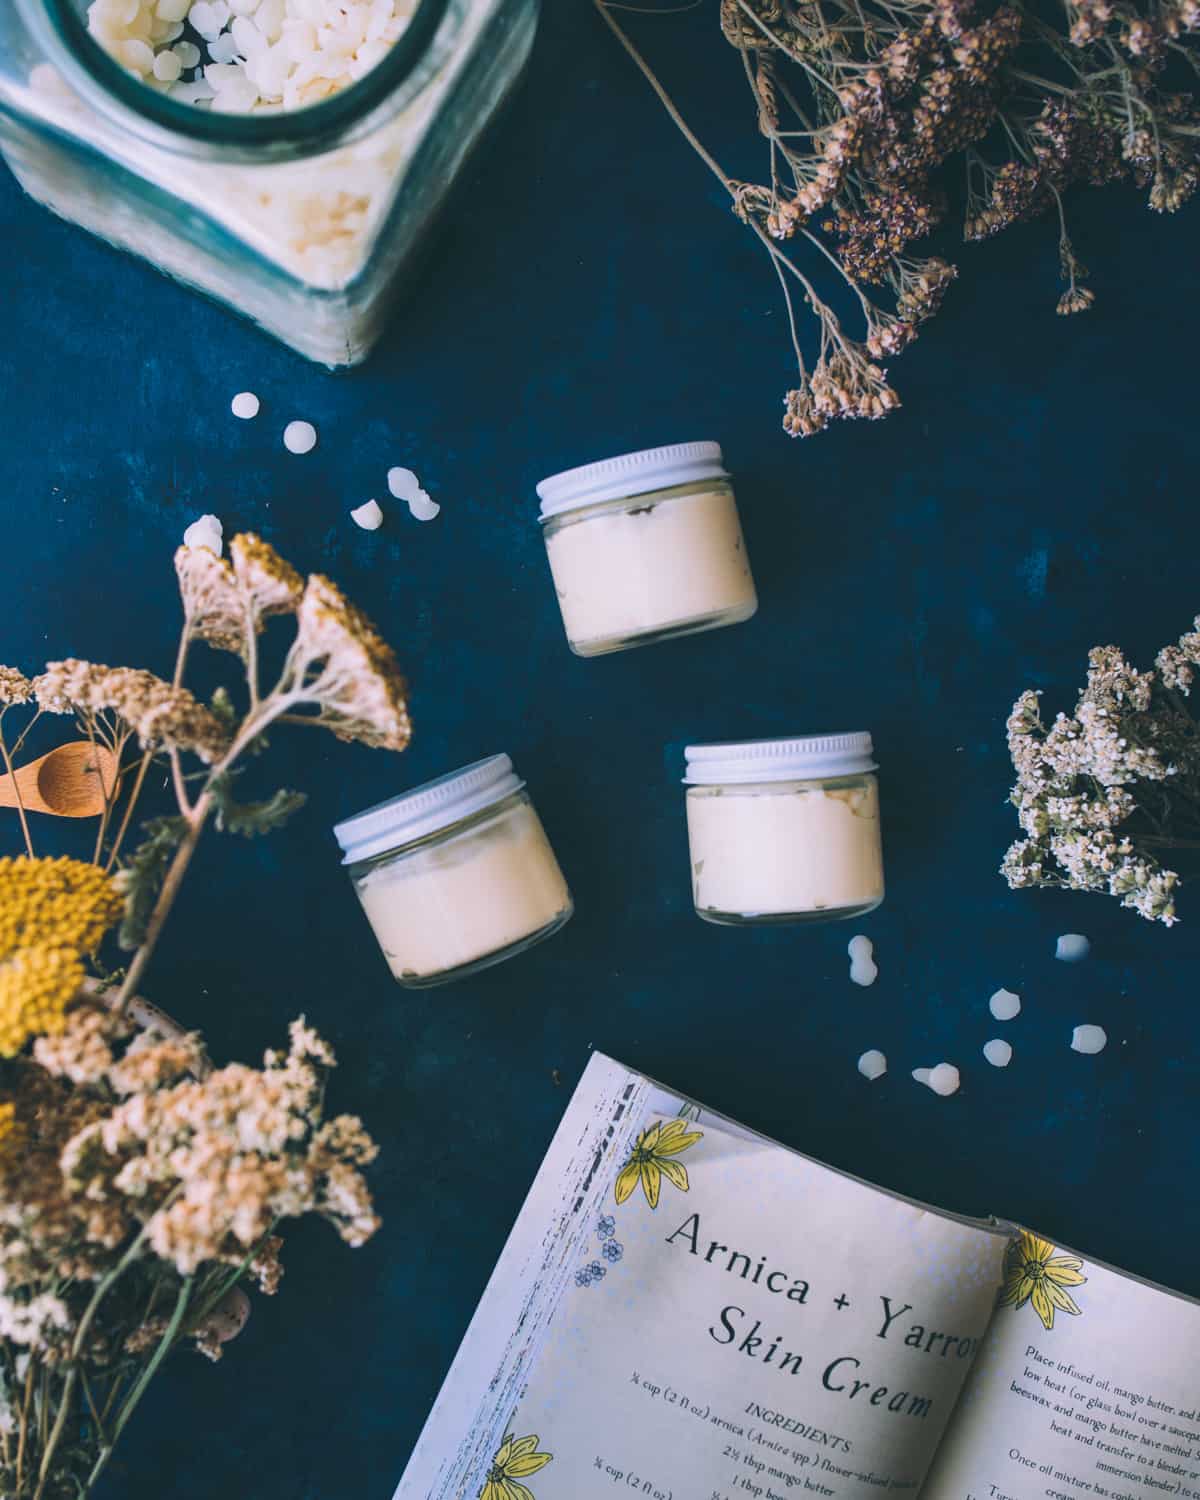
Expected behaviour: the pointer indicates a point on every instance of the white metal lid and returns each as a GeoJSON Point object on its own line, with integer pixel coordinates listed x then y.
{"type": "Point", "coordinates": [807, 758]}
{"type": "Point", "coordinates": [630, 474]}
{"type": "Point", "coordinates": [413, 815]}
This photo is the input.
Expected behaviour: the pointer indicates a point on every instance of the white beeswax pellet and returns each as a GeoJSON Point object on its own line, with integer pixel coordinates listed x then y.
{"type": "Point", "coordinates": [872, 1064]}
{"type": "Point", "coordinates": [422, 507]}
{"type": "Point", "coordinates": [1004, 1005]}
{"type": "Point", "coordinates": [1072, 947]}
{"type": "Point", "coordinates": [223, 49]}
{"type": "Point", "coordinates": [863, 968]}
{"type": "Point", "coordinates": [403, 483]}
{"type": "Point", "coordinates": [245, 405]}
{"type": "Point", "coordinates": [167, 67]}
{"type": "Point", "coordinates": [137, 56]}
{"type": "Point", "coordinates": [998, 1052]}
{"type": "Point", "coordinates": [206, 532]}
{"type": "Point", "coordinates": [1089, 1039]}
{"type": "Point", "coordinates": [922, 1075]}
{"type": "Point", "coordinates": [204, 18]}
{"type": "Point", "coordinates": [299, 437]}
{"type": "Point", "coordinates": [368, 516]}
{"type": "Point", "coordinates": [943, 1079]}
{"type": "Point", "coordinates": [248, 40]}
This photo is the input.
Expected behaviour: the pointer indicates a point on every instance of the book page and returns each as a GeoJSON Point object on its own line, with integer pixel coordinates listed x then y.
{"type": "Point", "coordinates": [743, 1322]}
{"type": "Point", "coordinates": [1086, 1389]}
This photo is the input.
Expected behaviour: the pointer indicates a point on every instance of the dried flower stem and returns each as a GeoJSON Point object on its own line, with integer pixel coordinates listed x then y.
{"type": "Point", "coordinates": [667, 102]}
{"type": "Point", "coordinates": [130, 803]}
{"type": "Point", "coordinates": [887, 93]}
{"type": "Point", "coordinates": [197, 816]}
{"type": "Point", "coordinates": [162, 907]}
{"type": "Point", "coordinates": [110, 1112]}
{"type": "Point", "coordinates": [8, 768]}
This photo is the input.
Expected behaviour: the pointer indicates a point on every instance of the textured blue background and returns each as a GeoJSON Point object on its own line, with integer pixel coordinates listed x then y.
{"type": "Point", "coordinates": [591, 294]}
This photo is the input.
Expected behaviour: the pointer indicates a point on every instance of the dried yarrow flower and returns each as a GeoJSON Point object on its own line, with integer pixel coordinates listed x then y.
{"type": "Point", "coordinates": [85, 1049]}
{"type": "Point", "coordinates": [36, 986]}
{"type": "Point", "coordinates": [60, 903]}
{"type": "Point", "coordinates": [52, 911]}
{"type": "Point", "coordinates": [15, 687]}
{"type": "Point", "coordinates": [1102, 793]}
{"type": "Point", "coordinates": [132, 1173]}
{"type": "Point", "coordinates": [218, 1160]}
{"type": "Point", "coordinates": [347, 670]}
{"type": "Point", "coordinates": [866, 106]}
{"type": "Point", "coordinates": [162, 716]}
{"type": "Point", "coordinates": [1176, 664]}
{"type": "Point", "coordinates": [225, 602]}
{"type": "Point", "coordinates": [1076, 299]}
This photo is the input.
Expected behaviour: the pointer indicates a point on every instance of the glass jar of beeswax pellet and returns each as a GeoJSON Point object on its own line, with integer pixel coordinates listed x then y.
{"type": "Point", "coordinates": [784, 830]}
{"type": "Point", "coordinates": [456, 875]}
{"type": "Point", "coordinates": [285, 156]}
{"type": "Point", "coordinates": [646, 547]}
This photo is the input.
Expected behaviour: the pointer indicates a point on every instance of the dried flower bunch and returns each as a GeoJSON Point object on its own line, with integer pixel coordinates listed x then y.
{"type": "Point", "coordinates": [873, 108]}
{"type": "Point", "coordinates": [1103, 794]}
{"type": "Point", "coordinates": [139, 1185]}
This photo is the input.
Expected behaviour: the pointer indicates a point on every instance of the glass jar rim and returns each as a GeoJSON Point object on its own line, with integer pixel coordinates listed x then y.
{"type": "Point", "coordinates": [811, 757]}
{"type": "Point", "coordinates": [316, 127]}
{"type": "Point", "coordinates": [428, 809]}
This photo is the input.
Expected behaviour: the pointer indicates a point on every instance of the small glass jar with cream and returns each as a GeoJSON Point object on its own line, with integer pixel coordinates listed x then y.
{"type": "Point", "coordinates": [646, 547]}
{"type": "Point", "coordinates": [456, 875]}
{"type": "Point", "coordinates": [784, 830]}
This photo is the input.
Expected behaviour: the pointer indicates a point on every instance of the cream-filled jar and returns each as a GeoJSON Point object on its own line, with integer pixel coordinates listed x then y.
{"type": "Point", "coordinates": [456, 875]}
{"type": "Point", "coordinates": [784, 830]}
{"type": "Point", "coordinates": [645, 547]}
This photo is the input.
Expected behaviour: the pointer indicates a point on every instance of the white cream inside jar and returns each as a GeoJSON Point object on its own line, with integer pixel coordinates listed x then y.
{"type": "Point", "coordinates": [457, 875]}
{"type": "Point", "coordinates": [784, 830]}
{"type": "Point", "coordinates": [646, 547]}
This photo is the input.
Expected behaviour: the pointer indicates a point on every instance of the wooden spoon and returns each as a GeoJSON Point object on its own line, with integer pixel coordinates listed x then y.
{"type": "Point", "coordinates": [70, 782]}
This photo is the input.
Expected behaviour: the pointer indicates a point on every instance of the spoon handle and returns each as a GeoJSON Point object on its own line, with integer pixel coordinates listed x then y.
{"type": "Point", "coordinates": [30, 798]}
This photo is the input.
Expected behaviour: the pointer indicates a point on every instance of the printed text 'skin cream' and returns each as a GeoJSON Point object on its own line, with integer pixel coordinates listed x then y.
{"type": "Point", "coordinates": [645, 547]}
{"type": "Point", "coordinates": [456, 875]}
{"type": "Point", "coordinates": [784, 830]}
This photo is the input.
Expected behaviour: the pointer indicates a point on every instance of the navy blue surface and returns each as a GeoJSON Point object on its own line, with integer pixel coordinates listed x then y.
{"type": "Point", "coordinates": [591, 294]}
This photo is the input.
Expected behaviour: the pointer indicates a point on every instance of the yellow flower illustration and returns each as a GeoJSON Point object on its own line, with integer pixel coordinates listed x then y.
{"type": "Point", "coordinates": [653, 1158]}
{"type": "Point", "coordinates": [1033, 1272]}
{"type": "Point", "coordinates": [516, 1459]}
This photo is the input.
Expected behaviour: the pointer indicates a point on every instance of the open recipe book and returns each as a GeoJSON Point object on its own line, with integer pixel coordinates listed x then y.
{"type": "Point", "coordinates": [688, 1311]}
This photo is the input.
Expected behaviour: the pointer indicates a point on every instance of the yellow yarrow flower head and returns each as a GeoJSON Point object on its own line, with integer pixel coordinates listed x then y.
{"type": "Point", "coordinates": [51, 912]}
{"type": "Point", "coordinates": [36, 986]}
{"type": "Point", "coordinates": [55, 903]}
